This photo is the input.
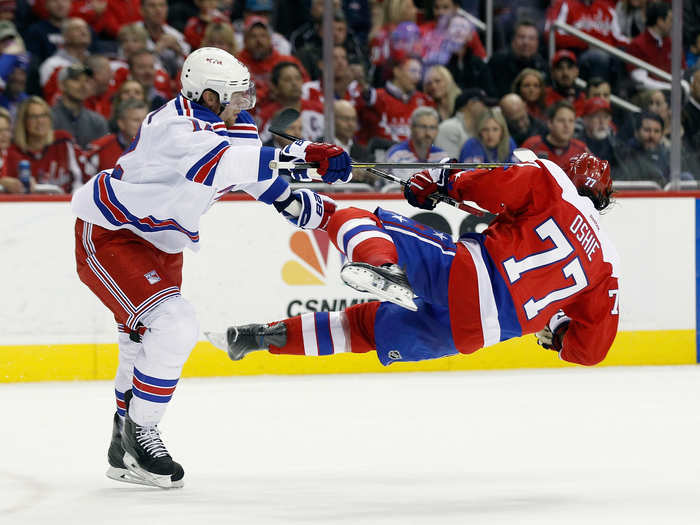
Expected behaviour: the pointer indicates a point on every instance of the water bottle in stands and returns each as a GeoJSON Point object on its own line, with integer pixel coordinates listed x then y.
{"type": "Point", "coordinates": [24, 170]}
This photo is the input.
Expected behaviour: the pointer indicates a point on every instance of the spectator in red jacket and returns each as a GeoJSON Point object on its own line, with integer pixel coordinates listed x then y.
{"type": "Point", "coordinates": [106, 17]}
{"type": "Point", "coordinates": [559, 145]}
{"type": "Point", "coordinates": [564, 75]}
{"type": "Point", "coordinates": [104, 152]}
{"type": "Point", "coordinates": [594, 17]}
{"type": "Point", "coordinates": [285, 92]}
{"type": "Point", "coordinates": [53, 155]}
{"type": "Point", "coordinates": [103, 85]}
{"type": "Point", "coordinates": [386, 112]}
{"type": "Point", "coordinates": [196, 25]}
{"type": "Point", "coordinates": [260, 57]}
{"type": "Point", "coordinates": [653, 46]}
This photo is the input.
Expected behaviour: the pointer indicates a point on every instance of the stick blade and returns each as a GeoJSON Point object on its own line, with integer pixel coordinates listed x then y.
{"type": "Point", "coordinates": [282, 120]}
{"type": "Point", "coordinates": [524, 155]}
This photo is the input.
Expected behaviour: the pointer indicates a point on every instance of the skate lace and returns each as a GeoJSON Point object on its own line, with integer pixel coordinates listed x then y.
{"type": "Point", "coordinates": [150, 440]}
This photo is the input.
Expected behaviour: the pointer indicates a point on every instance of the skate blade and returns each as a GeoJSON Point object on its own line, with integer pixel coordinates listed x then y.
{"type": "Point", "coordinates": [123, 475]}
{"type": "Point", "coordinates": [148, 478]}
{"type": "Point", "coordinates": [365, 280]}
{"type": "Point", "coordinates": [218, 339]}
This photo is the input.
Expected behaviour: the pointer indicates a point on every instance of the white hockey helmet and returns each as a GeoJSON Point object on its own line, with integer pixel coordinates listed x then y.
{"type": "Point", "coordinates": [215, 69]}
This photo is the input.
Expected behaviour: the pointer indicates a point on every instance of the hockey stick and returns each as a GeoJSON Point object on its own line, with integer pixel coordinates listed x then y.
{"type": "Point", "coordinates": [436, 197]}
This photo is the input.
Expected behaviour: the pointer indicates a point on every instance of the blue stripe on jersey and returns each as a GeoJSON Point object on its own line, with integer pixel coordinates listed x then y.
{"type": "Point", "coordinates": [276, 189]}
{"type": "Point", "coordinates": [150, 397]}
{"type": "Point", "coordinates": [201, 162]}
{"type": "Point", "coordinates": [154, 380]}
{"type": "Point", "coordinates": [250, 135]}
{"type": "Point", "coordinates": [354, 231]}
{"type": "Point", "coordinates": [147, 224]}
{"type": "Point", "coordinates": [134, 142]}
{"type": "Point", "coordinates": [324, 340]}
{"type": "Point", "coordinates": [178, 106]}
{"type": "Point", "coordinates": [120, 395]}
{"type": "Point", "coordinates": [245, 118]}
{"type": "Point", "coordinates": [507, 317]}
{"type": "Point", "coordinates": [153, 113]}
{"type": "Point", "coordinates": [203, 113]}
{"type": "Point", "coordinates": [266, 155]}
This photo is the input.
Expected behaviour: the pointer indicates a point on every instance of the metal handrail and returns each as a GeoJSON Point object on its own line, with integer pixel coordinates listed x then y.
{"type": "Point", "coordinates": [614, 99]}
{"type": "Point", "coordinates": [592, 41]}
{"type": "Point", "coordinates": [476, 21]}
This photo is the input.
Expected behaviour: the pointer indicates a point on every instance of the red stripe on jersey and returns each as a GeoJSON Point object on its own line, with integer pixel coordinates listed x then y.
{"type": "Point", "coordinates": [157, 390]}
{"type": "Point", "coordinates": [204, 170]}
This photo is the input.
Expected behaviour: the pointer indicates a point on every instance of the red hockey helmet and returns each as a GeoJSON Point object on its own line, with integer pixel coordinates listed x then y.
{"type": "Point", "coordinates": [591, 176]}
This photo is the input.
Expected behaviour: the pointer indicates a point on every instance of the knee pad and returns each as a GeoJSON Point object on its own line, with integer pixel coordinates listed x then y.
{"type": "Point", "coordinates": [173, 330]}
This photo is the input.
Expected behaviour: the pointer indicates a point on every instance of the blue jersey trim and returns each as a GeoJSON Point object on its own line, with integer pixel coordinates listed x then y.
{"type": "Point", "coordinates": [154, 380]}
{"type": "Point", "coordinates": [323, 333]}
{"type": "Point", "coordinates": [276, 189]}
{"type": "Point", "coordinates": [266, 155]}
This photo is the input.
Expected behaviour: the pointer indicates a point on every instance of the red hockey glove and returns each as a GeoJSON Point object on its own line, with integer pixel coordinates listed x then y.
{"type": "Point", "coordinates": [334, 163]}
{"type": "Point", "coordinates": [420, 186]}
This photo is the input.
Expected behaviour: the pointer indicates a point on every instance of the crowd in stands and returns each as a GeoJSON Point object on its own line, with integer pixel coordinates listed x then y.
{"type": "Point", "coordinates": [411, 79]}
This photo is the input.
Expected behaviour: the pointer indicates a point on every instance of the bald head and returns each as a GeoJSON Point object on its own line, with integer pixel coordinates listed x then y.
{"type": "Point", "coordinates": [514, 110]}
{"type": "Point", "coordinates": [345, 120]}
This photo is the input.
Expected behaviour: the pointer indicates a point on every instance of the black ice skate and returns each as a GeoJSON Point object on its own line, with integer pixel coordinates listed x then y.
{"type": "Point", "coordinates": [239, 341]}
{"type": "Point", "coordinates": [387, 282]}
{"type": "Point", "coordinates": [146, 457]}
{"type": "Point", "coordinates": [115, 456]}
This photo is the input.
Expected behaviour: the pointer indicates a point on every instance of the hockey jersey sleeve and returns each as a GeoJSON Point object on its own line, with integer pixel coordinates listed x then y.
{"type": "Point", "coordinates": [593, 324]}
{"type": "Point", "coordinates": [510, 189]}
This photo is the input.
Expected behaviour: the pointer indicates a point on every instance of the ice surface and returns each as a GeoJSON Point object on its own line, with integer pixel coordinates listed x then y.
{"type": "Point", "coordinates": [570, 446]}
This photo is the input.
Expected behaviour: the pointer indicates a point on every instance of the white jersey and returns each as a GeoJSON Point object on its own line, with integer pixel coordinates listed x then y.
{"type": "Point", "coordinates": [182, 160]}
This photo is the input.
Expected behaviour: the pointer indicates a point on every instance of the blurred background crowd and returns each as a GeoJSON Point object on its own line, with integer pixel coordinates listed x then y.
{"type": "Point", "coordinates": [412, 80]}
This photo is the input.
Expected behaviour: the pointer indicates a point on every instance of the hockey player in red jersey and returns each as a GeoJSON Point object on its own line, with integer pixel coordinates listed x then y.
{"type": "Point", "coordinates": [543, 266]}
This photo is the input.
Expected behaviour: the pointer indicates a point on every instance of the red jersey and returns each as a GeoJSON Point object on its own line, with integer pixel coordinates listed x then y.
{"type": "Point", "coordinates": [597, 18]}
{"type": "Point", "coordinates": [260, 70]}
{"type": "Point", "coordinates": [560, 156]}
{"type": "Point", "coordinates": [60, 163]}
{"type": "Point", "coordinates": [102, 153]}
{"type": "Point", "coordinates": [656, 51]}
{"type": "Point", "coordinates": [117, 14]}
{"type": "Point", "coordinates": [312, 119]}
{"type": "Point", "coordinates": [162, 82]}
{"type": "Point", "coordinates": [195, 27]}
{"type": "Point", "coordinates": [577, 99]}
{"type": "Point", "coordinates": [546, 246]}
{"type": "Point", "coordinates": [387, 113]}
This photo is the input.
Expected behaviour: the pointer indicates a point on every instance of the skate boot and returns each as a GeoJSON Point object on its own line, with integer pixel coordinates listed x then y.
{"type": "Point", "coordinates": [387, 282]}
{"type": "Point", "coordinates": [115, 455]}
{"type": "Point", "coordinates": [239, 341]}
{"type": "Point", "coordinates": [146, 457]}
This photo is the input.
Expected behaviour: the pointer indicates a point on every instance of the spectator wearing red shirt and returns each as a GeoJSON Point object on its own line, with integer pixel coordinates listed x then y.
{"type": "Point", "coordinates": [53, 155]}
{"type": "Point", "coordinates": [133, 39]}
{"type": "Point", "coordinates": [103, 85]}
{"type": "Point", "coordinates": [286, 92]}
{"type": "Point", "coordinates": [597, 18]}
{"type": "Point", "coordinates": [106, 17]}
{"type": "Point", "coordinates": [260, 57]}
{"type": "Point", "coordinates": [220, 35]}
{"type": "Point", "coordinates": [342, 78]}
{"type": "Point", "coordinates": [653, 46]}
{"type": "Point", "coordinates": [76, 41]}
{"type": "Point", "coordinates": [386, 112]}
{"type": "Point", "coordinates": [196, 25]}
{"type": "Point", "coordinates": [558, 145]}
{"type": "Point", "coordinates": [564, 75]}
{"type": "Point", "coordinates": [104, 152]}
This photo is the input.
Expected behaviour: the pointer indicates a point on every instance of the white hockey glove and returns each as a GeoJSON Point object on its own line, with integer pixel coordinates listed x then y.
{"type": "Point", "coordinates": [333, 162]}
{"type": "Point", "coordinates": [552, 335]}
{"type": "Point", "coordinates": [308, 210]}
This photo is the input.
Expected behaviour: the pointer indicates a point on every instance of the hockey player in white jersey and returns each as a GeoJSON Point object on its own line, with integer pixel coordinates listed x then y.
{"type": "Point", "coordinates": [133, 223]}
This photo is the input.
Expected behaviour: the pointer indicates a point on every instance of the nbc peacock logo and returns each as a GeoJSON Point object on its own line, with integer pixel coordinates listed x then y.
{"type": "Point", "coordinates": [311, 263]}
